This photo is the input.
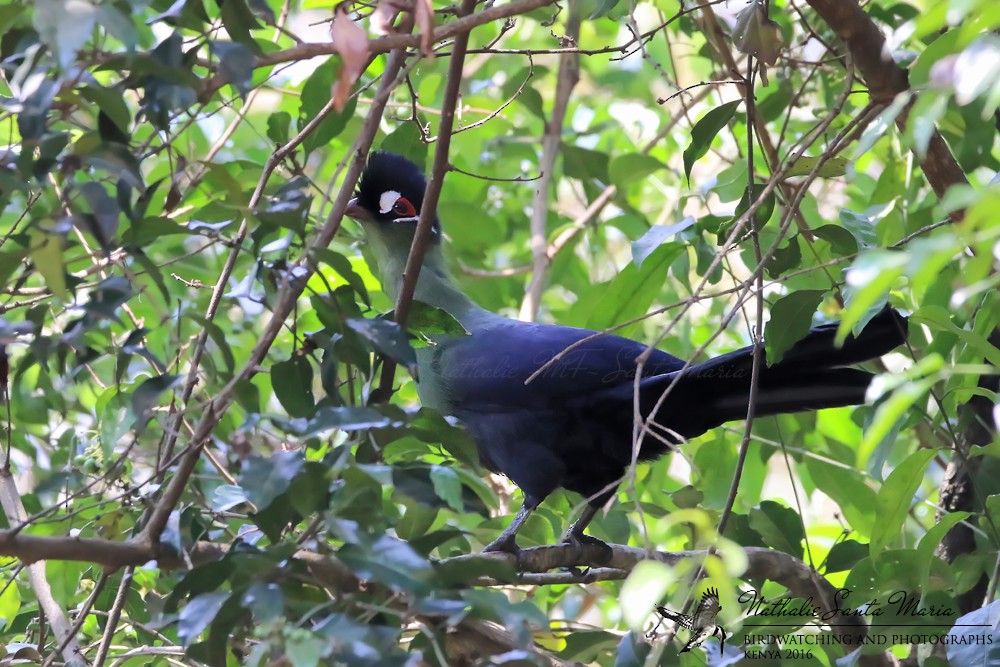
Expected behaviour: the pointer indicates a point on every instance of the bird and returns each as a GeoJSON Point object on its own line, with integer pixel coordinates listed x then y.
{"type": "Point", "coordinates": [571, 426]}
{"type": "Point", "coordinates": [701, 623]}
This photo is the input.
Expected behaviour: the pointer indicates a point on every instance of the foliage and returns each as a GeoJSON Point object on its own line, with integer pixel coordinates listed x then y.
{"type": "Point", "coordinates": [167, 325]}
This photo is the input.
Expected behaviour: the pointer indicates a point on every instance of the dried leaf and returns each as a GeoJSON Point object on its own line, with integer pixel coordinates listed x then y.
{"type": "Point", "coordinates": [756, 34]}
{"type": "Point", "coordinates": [385, 15]}
{"type": "Point", "coordinates": [350, 41]}
{"type": "Point", "coordinates": [424, 17]}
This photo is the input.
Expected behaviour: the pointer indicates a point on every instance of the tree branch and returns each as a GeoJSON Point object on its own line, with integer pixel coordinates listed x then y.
{"type": "Point", "coordinates": [569, 74]}
{"type": "Point", "coordinates": [13, 508]}
{"type": "Point", "coordinates": [400, 40]}
{"type": "Point", "coordinates": [885, 81]}
{"type": "Point", "coordinates": [428, 210]}
{"type": "Point", "coordinates": [286, 300]}
{"type": "Point", "coordinates": [536, 563]}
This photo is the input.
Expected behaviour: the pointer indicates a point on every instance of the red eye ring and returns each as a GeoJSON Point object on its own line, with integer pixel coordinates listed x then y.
{"type": "Point", "coordinates": [403, 208]}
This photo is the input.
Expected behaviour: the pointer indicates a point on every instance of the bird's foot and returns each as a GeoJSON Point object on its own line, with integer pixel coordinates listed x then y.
{"type": "Point", "coordinates": [597, 551]}
{"type": "Point", "coordinates": [508, 545]}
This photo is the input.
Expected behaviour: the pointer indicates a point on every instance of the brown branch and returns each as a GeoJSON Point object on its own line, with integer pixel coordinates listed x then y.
{"type": "Point", "coordinates": [13, 508]}
{"type": "Point", "coordinates": [569, 74]}
{"type": "Point", "coordinates": [389, 43]}
{"type": "Point", "coordinates": [428, 209]}
{"type": "Point", "coordinates": [886, 80]}
{"type": "Point", "coordinates": [286, 300]}
{"type": "Point", "coordinates": [114, 614]}
{"type": "Point", "coordinates": [536, 563]}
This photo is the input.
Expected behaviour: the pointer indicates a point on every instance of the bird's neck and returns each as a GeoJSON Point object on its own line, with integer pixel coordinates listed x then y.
{"type": "Point", "coordinates": [435, 286]}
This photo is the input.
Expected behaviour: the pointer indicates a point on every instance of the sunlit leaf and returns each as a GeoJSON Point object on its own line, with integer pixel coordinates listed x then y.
{"type": "Point", "coordinates": [705, 131]}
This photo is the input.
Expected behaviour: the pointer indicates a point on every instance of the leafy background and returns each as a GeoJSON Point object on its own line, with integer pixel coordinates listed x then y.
{"type": "Point", "coordinates": [195, 467]}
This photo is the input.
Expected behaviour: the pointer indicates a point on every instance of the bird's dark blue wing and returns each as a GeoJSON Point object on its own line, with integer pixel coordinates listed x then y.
{"type": "Point", "coordinates": [487, 372]}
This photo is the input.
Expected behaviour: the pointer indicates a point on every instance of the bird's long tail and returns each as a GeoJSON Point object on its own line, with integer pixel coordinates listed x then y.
{"type": "Point", "coordinates": [810, 376]}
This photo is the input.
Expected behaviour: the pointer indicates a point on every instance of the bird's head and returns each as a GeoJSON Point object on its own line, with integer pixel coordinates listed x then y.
{"type": "Point", "coordinates": [387, 204]}
{"type": "Point", "coordinates": [389, 195]}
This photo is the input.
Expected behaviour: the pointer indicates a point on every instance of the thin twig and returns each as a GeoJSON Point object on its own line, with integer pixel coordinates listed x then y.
{"type": "Point", "coordinates": [428, 209]}
{"type": "Point", "coordinates": [569, 74]}
{"type": "Point", "coordinates": [13, 508]}
{"type": "Point", "coordinates": [286, 300]}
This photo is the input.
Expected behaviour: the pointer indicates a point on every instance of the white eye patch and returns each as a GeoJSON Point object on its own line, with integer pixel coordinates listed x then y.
{"type": "Point", "coordinates": [388, 200]}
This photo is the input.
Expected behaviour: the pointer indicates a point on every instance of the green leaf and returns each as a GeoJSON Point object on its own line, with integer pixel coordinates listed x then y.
{"type": "Point", "coordinates": [306, 650]}
{"type": "Point", "coordinates": [631, 167]}
{"type": "Point", "coordinates": [687, 497]}
{"type": "Point", "coordinates": [47, 256]}
{"type": "Point", "coordinates": [344, 418]}
{"type": "Point", "coordinates": [585, 164]}
{"type": "Point", "coordinates": [10, 604]}
{"type": "Point", "coordinates": [603, 8]}
{"type": "Point", "coordinates": [236, 63]}
{"type": "Point", "coordinates": [780, 526]}
{"type": "Point", "coordinates": [655, 237]}
{"type": "Point", "coordinates": [891, 412]}
{"type": "Point", "coordinates": [895, 498]}
{"type": "Point", "coordinates": [430, 320]}
{"type": "Point", "coordinates": [117, 160]}
{"type": "Point", "coordinates": [941, 319]}
{"type": "Point", "coordinates": [627, 295]}
{"type": "Point", "coordinates": [390, 561]}
{"type": "Point", "coordinates": [448, 486]}
{"type": "Point", "coordinates": [841, 241]}
{"type": "Point", "coordinates": [314, 97]}
{"type": "Point", "coordinates": [868, 282]}
{"type": "Point", "coordinates": [832, 168]}
{"type": "Point", "coordinates": [108, 296]}
{"type": "Point", "coordinates": [847, 488]}
{"type": "Point", "coordinates": [705, 131]}
{"type": "Point", "coordinates": [103, 219]}
{"type": "Point", "coordinates": [632, 650]}
{"type": "Point", "coordinates": [278, 124]}
{"type": "Point", "coordinates": [584, 646]}
{"type": "Point", "coordinates": [785, 258]}
{"type": "Point", "coordinates": [791, 319]}
{"type": "Point", "coordinates": [239, 21]}
{"type": "Point", "coordinates": [845, 555]}
{"type": "Point", "coordinates": [860, 226]}
{"type": "Point", "coordinates": [762, 215]}
{"type": "Point", "coordinates": [932, 538]}
{"type": "Point", "coordinates": [342, 265]}
{"type": "Point", "coordinates": [226, 497]}
{"type": "Point", "coordinates": [111, 103]}
{"type": "Point", "coordinates": [387, 338]}
{"type": "Point", "coordinates": [291, 381]}
{"type": "Point", "coordinates": [147, 395]}
{"type": "Point", "coordinates": [949, 42]}
{"type": "Point", "coordinates": [263, 480]}
{"type": "Point", "coordinates": [644, 588]}
{"type": "Point", "coordinates": [312, 489]}
{"type": "Point", "coordinates": [198, 614]}
{"type": "Point", "coordinates": [64, 27]}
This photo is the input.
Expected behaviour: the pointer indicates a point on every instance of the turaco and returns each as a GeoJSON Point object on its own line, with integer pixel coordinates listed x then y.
{"type": "Point", "coordinates": [571, 427]}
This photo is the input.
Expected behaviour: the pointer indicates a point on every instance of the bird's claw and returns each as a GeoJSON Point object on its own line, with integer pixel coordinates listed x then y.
{"type": "Point", "coordinates": [506, 545]}
{"type": "Point", "coordinates": [581, 542]}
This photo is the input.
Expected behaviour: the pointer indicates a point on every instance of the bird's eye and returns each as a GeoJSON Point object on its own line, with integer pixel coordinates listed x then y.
{"type": "Point", "coordinates": [403, 208]}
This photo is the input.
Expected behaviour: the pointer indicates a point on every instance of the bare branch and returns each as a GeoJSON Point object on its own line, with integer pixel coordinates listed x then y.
{"type": "Point", "coordinates": [885, 81]}
{"type": "Point", "coordinates": [428, 209]}
{"type": "Point", "coordinates": [13, 508]}
{"type": "Point", "coordinates": [569, 74]}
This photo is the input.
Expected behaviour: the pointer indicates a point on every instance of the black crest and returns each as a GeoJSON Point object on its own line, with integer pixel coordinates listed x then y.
{"type": "Point", "coordinates": [390, 172]}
